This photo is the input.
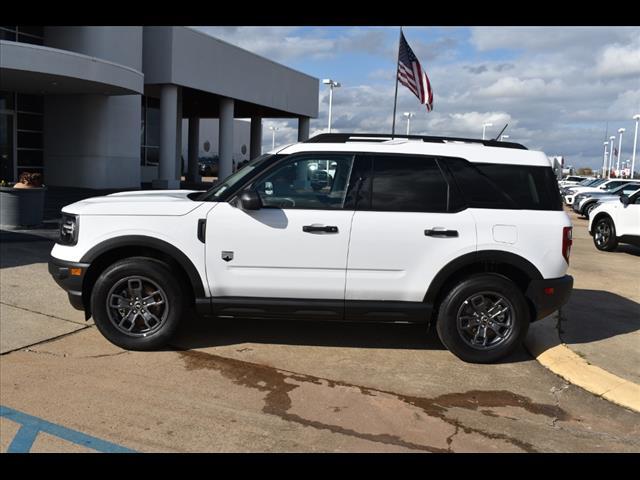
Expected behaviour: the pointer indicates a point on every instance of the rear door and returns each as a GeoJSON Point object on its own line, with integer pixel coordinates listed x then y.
{"type": "Point", "coordinates": [407, 230]}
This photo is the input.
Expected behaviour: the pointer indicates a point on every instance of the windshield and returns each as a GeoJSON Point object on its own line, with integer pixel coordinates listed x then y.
{"type": "Point", "coordinates": [595, 183]}
{"type": "Point", "coordinates": [216, 192]}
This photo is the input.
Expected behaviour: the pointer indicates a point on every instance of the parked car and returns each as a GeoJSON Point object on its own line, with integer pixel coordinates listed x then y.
{"type": "Point", "coordinates": [572, 180]}
{"type": "Point", "coordinates": [208, 166]}
{"type": "Point", "coordinates": [611, 223]}
{"type": "Point", "coordinates": [585, 202]}
{"type": "Point", "coordinates": [606, 186]}
{"type": "Point", "coordinates": [468, 235]}
{"type": "Point", "coordinates": [585, 183]}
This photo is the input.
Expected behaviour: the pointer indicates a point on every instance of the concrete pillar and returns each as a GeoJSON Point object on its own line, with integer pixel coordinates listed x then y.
{"type": "Point", "coordinates": [168, 129]}
{"type": "Point", "coordinates": [193, 174]}
{"type": "Point", "coordinates": [303, 129]}
{"type": "Point", "coordinates": [178, 162]}
{"type": "Point", "coordinates": [225, 138]}
{"type": "Point", "coordinates": [256, 138]}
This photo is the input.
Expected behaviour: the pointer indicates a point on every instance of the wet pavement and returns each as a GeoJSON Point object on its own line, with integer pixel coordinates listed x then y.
{"type": "Point", "coordinates": [277, 386]}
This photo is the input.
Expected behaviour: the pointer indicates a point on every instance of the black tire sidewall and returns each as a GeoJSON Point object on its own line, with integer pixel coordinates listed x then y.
{"type": "Point", "coordinates": [154, 270]}
{"type": "Point", "coordinates": [612, 242]}
{"type": "Point", "coordinates": [446, 325]}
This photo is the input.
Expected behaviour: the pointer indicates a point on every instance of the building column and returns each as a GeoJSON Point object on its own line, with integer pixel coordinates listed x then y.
{"type": "Point", "coordinates": [193, 174]}
{"type": "Point", "coordinates": [303, 129]}
{"type": "Point", "coordinates": [225, 138]}
{"type": "Point", "coordinates": [168, 130]}
{"type": "Point", "coordinates": [178, 158]}
{"type": "Point", "coordinates": [256, 138]}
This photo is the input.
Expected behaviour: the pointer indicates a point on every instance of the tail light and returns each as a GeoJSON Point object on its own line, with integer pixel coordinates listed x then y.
{"type": "Point", "coordinates": [567, 241]}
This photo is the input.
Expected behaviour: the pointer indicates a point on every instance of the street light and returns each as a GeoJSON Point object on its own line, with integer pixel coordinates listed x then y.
{"type": "Point", "coordinates": [635, 141]}
{"type": "Point", "coordinates": [408, 115]}
{"type": "Point", "coordinates": [484, 128]}
{"type": "Point", "coordinates": [620, 131]}
{"type": "Point", "coordinates": [502, 137]}
{"type": "Point", "coordinates": [604, 163]}
{"type": "Point", "coordinates": [611, 139]}
{"type": "Point", "coordinates": [273, 136]}
{"type": "Point", "coordinates": [332, 84]}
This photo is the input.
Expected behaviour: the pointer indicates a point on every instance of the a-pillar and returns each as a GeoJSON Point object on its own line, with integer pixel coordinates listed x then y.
{"type": "Point", "coordinates": [225, 138]}
{"type": "Point", "coordinates": [303, 129]}
{"type": "Point", "coordinates": [193, 174]}
{"type": "Point", "coordinates": [168, 130]}
{"type": "Point", "coordinates": [256, 138]}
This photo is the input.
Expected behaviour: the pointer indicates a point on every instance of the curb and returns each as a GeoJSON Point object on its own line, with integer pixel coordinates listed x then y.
{"type": "Point", "coordinates": [543, 342]}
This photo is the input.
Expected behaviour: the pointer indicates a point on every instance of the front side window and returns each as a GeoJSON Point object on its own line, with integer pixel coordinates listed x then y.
{"type": "Point", "coordinates": [317, 182]}
{"type": "Point", "coordinates": [408, 184]}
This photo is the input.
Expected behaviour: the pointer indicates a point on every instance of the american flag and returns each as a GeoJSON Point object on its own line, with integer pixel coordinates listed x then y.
{"type": "Point", "coordinates": [412, 76]}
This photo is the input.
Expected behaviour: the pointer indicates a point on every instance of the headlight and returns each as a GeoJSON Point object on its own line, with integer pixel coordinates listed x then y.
{"type": "Point", "coordinates": [68, 229]}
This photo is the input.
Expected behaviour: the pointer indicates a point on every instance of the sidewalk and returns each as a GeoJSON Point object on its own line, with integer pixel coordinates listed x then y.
{"type": "Point", "coordinates": [595, 343]}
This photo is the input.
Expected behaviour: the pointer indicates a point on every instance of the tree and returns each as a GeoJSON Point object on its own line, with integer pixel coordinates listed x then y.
{"type": "Point", "coordinates": [585, 171]}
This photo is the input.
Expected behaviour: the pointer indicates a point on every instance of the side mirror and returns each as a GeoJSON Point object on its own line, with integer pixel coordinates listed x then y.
{"type": "Point", "coordinates": [250, 200]}
{"type": "Point", "coordinates": [624, 199]}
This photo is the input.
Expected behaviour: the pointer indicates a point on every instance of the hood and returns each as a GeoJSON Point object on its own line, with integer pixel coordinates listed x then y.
{"type": "Point", "coordinates": [142, 202]}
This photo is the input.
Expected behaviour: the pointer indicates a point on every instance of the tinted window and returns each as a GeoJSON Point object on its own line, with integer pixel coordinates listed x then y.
{"type": "Point", "coordinates": [408, 184]}
{"type": "Point", "coordinates": [317, 181]}
{"type": "Point", "coordinates": [490, 185]}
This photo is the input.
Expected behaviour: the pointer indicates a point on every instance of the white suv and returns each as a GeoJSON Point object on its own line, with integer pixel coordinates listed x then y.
{"type": "Point", "coordinates": [616, 221]}
{"type": "Point", "coordinates": [467, 234]}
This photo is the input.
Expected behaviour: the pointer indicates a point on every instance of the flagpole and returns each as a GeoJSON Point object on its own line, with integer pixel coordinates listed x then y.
{"type": "Point", "coordinates": [395, 98]}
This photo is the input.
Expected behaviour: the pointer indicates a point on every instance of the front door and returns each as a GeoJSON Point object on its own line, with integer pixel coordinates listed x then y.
{"type": "Point", "coordinates": [295, 246]}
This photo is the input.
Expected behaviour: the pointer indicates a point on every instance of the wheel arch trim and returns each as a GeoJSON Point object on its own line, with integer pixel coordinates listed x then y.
{"type": "Point", "coordinates": [145, 241]}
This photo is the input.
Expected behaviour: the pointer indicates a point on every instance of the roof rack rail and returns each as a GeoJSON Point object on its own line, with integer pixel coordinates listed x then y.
{"type": "Point", "coordinates": [381, 137]}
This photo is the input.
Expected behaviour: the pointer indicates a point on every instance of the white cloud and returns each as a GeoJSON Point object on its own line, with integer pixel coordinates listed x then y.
{"type": "Point", "coordinates": [619, 60]}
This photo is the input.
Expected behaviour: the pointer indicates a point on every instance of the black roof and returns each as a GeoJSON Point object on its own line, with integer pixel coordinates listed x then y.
{"type": "Point", "coordinates": [381, 137]}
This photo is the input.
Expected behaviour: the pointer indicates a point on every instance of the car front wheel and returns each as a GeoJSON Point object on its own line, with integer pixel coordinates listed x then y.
{"type": "Point", "coordinates": [483, 318]}
{"type": "Point", "coordinates": [137, 303]}
{"type": "Point", "coordinates": [604, 236]}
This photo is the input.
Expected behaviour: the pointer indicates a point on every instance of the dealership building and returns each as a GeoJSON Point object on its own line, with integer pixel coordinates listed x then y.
{"type": "Point", "coordinates": [105, 107]}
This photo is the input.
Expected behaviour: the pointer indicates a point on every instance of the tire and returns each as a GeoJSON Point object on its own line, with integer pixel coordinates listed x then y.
{"type": "Point", "coordinates": [604, 234]}
{"type": "Point", "coordinates": [113, 301]}
{"type": "Point", "coordinates": [457, 318]}
{"type": "Point", "coordinates": [589, 209]}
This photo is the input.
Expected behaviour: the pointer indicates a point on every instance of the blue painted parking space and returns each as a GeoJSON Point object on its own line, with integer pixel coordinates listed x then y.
{"type": "Point", "coordinates": [31, 426]}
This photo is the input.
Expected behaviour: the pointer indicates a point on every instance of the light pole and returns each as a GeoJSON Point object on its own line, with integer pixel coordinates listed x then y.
{"type": "Point", "coordinates": [635, 141]}
{"type": "Point", "coordinates": [611, 139]}
{"type": "Point", "coordinates": [604, 163]}
{"type": "Point", "coordinates": [273, 136]}
{"type": "Point", "coordinates": [332, 84]}
{"type": "Point", "coordinates": [502, 137]}
{"type": "Point", "coordinates": [620, 131]}
{"type": "Point", "coordinates": [408, 115]}
{"type": "Point", "coordinates": [484, 128]}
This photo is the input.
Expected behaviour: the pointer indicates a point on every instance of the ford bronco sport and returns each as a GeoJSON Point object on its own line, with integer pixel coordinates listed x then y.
{"type": "Point", "coordinates": [468, 235]}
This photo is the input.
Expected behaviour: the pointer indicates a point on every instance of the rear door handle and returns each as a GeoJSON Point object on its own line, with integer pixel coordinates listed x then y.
{"type": "Point", "coordinates": [320, 228]}
{"type": "Point", "coordinates": [441, 232]}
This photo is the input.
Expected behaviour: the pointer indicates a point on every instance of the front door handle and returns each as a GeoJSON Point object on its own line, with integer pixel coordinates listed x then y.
{"type": "Point", "coordinates": [441, 232]}
{"type": "Point", "coordinates": [320, 228]}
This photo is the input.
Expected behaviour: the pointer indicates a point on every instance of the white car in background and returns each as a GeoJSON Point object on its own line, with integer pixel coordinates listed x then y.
{"type": "Point", "coordinates": [603, 187]}
{"type": "Point", "coordinates": [572, 180]}
{"type": "Point", "coordinates": [616, 222]}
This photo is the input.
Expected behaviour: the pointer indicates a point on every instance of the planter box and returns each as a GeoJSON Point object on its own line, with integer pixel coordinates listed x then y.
{"type": "Point", "coordinates": [21, 207]}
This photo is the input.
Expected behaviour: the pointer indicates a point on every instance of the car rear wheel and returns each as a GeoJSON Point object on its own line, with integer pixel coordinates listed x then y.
{"type": "Point", "coordinates": [137, 303]}
{"type": "Point", "coordinates": [483, 318]}
{"type": "Point", "coordinates": [604, 236]}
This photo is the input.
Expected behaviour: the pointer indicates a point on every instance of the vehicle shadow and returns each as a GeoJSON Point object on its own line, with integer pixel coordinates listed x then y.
{"type": "Point", "coordinates": [18, 248]}
{"type": "Point", "coordinates": [212, 332]}
{"type": "Point", "coordinates": [628, 249]}
{"type": "Point", "coordinates": [593, 315]}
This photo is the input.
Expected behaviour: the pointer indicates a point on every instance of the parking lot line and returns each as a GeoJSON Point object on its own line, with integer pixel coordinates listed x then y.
{"type": "Point", "coordinates": [31, 426]}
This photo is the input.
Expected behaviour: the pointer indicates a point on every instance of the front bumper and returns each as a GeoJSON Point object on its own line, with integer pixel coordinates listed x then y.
{"type": "Point", "coordinates": [549, 295]}
{"type": "Point", "coordinates": [69, 275]}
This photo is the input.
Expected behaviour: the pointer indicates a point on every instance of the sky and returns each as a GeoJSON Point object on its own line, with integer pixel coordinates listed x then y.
{"type": "Point", "coordinates": [556, 87]}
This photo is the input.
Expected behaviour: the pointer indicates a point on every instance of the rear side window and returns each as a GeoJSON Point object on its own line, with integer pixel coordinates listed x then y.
{"type": "Point", "coordinates": [407, 184]}
{"type": "Point", "coordinates": [491, 185]}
